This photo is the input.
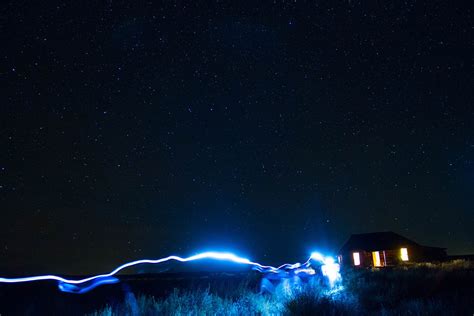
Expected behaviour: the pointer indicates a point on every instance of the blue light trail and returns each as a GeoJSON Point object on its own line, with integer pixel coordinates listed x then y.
{"type": "Point", "coordinates": [328, 267]}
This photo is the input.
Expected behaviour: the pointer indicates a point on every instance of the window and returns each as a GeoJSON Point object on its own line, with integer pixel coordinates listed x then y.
{"type": "Point", "coordinates": [356, 257]}
{"type": "Point", "coordinates": [404, 254]}
{"type": "Point", "coordinates": [376, 258]}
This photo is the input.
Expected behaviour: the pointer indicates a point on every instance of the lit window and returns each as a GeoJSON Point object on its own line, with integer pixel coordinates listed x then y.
{"type": "Point", "coordinates": [356, 258]}
{"type": "Point", "coordinates": [376, 258]}
{"type": "Point", "coordinates": [404, 254]}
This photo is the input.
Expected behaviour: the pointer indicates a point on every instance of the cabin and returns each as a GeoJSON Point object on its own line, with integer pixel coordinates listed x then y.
{"type": "Point", "coordinates": [385, 249]}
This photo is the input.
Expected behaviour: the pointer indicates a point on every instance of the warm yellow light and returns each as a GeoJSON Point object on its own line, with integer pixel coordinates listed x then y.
{"type": "Point", "coordinates": [404, 254]}
{"type": "Point", "coordinates": [356, 257]}
{"type": "Point", "coordinates": [376, 258]}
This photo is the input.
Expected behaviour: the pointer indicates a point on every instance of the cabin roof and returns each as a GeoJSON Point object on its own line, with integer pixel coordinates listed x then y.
{"type": "Point", "coordinates": [377, 241]}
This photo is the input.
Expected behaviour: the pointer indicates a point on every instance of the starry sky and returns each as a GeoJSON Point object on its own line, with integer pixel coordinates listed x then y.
{"type": "Point", "coordinates": [132, 130]}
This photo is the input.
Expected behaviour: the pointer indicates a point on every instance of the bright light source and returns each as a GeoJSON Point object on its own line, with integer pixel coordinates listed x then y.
{"type": "Point", "coordinates": [356, 257]}
{"type": "Point", "coordinates": [331, 271]}
{"type": "Point", "coordinates": [317, 256]}
{"type": "Point", "coordinates": [376, 258]}
{"type": "Point", "coordinates": [404, 254]}
{"type": "Point", "coordinates": [329, 260]}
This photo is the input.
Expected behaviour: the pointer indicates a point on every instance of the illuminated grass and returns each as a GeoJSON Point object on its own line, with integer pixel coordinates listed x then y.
{"type": "Point", "coordinates": [444, 289]}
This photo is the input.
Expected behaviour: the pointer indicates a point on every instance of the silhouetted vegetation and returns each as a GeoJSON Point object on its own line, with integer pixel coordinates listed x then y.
{"type": "Point", "coordinates": [419, 289]}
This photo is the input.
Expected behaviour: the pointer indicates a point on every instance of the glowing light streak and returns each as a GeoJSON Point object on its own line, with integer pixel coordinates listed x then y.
{"type": "Point", "coordinates": [308, 271]}
{"type": "Point", "coordinates": [80, 289]}
{"type": "Point", "coordinates": [84, 285]}
{"type": "Point", "coordinates": [317, 256]}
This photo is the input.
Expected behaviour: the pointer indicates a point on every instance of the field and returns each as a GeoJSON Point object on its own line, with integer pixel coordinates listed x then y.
{"type": "Point", "coordinates": [421, 289]}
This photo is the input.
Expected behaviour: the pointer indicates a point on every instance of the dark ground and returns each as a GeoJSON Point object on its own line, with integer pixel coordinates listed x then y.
{"type": "Point", "coordinates": [44, 298]}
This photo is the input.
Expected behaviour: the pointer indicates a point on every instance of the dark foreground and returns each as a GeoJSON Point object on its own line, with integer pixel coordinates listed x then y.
{"type": "Point", "coordinates": [429, 289]}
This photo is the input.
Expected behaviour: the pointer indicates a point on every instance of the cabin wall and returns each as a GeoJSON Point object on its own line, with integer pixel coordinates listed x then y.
{"type": "Point", "coordinates": [392, 257]}
{"type": "Point", "coordinates": [365, 257]}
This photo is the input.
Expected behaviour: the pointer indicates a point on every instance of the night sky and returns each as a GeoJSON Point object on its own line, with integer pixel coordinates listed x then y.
{"type": "Point", "coordinates": [142, 130]}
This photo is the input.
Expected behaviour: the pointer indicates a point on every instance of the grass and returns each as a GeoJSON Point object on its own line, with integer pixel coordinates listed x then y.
{"type": "Point", "coordinates": [421, 289]}
{"type": "Point", "coordinates": [200, 302]}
